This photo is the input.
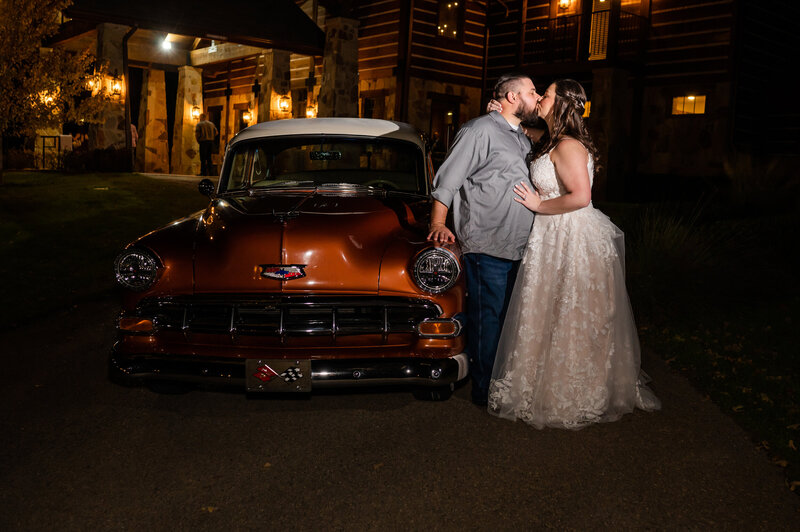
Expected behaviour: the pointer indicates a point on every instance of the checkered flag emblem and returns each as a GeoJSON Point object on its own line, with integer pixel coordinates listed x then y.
{"type": "Point", "coordinates": [292, 374]}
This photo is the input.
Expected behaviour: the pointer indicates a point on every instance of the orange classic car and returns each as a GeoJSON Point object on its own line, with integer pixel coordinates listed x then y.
{"type": "Point", "coordinates": [309, 269]}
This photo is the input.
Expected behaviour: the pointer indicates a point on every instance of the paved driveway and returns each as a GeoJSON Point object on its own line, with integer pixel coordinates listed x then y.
{"type": "Point", "coordinates": [79, 453]}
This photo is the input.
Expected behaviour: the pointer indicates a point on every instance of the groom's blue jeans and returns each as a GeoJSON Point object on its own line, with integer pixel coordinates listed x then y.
{"type": "Point", "coordinates": [490, 281]}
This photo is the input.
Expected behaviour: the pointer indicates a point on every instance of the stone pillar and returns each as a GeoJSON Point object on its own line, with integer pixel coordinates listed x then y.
{"type": "Point", "coordinates": [610, 123]}
{"type": "Point", "coordinates": [185, 150]}
{"type": "Point", "coordinates": [111, 132]}
{"type": "Point", "coordinates": [273, 74]}
{"type": "Point", "coordinates": [338, 95]}
{"type": "Point", "coordinates": [152, 150]}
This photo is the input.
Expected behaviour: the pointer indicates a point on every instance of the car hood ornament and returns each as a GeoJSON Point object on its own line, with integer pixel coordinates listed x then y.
{"type": "Point", "coordinates": [283, 272]}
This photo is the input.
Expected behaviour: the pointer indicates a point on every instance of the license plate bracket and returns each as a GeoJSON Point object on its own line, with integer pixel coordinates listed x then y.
{"type": "Point", "coordinates": [277, 375]}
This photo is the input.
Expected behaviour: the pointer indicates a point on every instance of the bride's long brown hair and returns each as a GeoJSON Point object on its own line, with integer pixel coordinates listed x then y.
{"type": "Point", "coordinates": [567, 110]}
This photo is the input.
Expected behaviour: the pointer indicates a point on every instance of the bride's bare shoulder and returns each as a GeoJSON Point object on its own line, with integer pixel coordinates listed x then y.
{"type": "Point", "coordinates": [570, 146]}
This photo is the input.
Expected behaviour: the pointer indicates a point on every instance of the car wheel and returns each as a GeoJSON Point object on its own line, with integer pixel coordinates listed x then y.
{"type": "Point", "coordinates": [440, 393]}
{"type": "Point", "coordinates": [169, 388]}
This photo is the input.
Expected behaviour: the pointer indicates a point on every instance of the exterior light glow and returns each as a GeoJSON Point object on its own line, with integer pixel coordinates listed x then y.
{"type": "Point", "coordinates": [690, 98]}
{"type": "Point", "coordinates": [311, 111]}
{"type": "Point", "coordinates": [195, 113]}
{"type": "Point", "coordinates": [166, 44]}
{"type": "Point", "coordinates": [284, 104]}
{"type": "Point", "coordinates": [564, 4]}
{"type": "Point", "coordinates": [247, 116]}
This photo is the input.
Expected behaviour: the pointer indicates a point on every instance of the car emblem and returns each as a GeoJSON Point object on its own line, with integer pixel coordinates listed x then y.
{"type": "Point", "coordinates": [284, 272]}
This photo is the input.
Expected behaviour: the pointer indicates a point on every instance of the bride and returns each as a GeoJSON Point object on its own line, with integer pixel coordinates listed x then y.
{"type": "Point", "coordinates": [569, 353]}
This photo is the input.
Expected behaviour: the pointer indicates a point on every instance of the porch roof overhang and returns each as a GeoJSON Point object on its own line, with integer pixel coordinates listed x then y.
{"type": "Point", "coordinates": [277, 24]}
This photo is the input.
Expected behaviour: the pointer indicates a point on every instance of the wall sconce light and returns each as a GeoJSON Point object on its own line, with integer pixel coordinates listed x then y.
{"type": "Point", "coordinates": [284, 104]}
{"type": "Point", "coordinates": [247, 116]}
{"type": "Point", "coordinates": [166, 44]}
{"type": "Point", "coordinates": [116, 87]}
{"type": "Point", "coordinates": [95, 83]}
{"type": "Point", "coordinates": [195, 113]}
{"type": "Point", "coordinates": [311, 111]}
{"type": "Point", "coordinates": [564, 4]}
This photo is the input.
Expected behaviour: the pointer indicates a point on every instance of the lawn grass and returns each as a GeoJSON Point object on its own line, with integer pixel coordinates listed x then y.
{"type": "Point", "coordinates": [59, 234]}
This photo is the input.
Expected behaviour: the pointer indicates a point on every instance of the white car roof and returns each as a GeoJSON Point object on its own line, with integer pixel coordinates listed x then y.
{"type": "Point", "coordinates": [369, 127]}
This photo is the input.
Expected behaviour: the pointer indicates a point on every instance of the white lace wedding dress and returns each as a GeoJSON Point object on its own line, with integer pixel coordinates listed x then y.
{"type": "Point", "coordinates": [569, 351]}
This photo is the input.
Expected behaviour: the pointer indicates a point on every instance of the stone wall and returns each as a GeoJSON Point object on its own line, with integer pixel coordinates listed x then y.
{"type": "Point", "coordinates": [338, 95]}
{"type": "Point", "coordinates": [111, 132]}
{"type": "Point", "coordinates": [152, 150]}
{"type": "Point", "coordinates": [185, 157]}
{"type": "Point", "coordinates": [273, 74]}
{"type": "Point", "coordinates": [610, 123]}
{"type": "Point", "coordinates": [420, 95]}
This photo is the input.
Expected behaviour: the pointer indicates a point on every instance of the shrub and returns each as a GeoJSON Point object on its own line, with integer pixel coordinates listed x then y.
{"type": "Point", "coordinates": [18, 158]}
{"type": "Point", "coordinates": [675, 258]}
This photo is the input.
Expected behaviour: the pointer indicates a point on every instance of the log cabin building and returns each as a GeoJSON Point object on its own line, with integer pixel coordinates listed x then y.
{"type": "Point", "coordinates": [671, 83]}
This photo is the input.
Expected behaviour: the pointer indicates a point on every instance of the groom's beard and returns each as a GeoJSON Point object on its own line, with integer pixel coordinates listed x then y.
{"type": "Point", "coordinates": [525, 113]}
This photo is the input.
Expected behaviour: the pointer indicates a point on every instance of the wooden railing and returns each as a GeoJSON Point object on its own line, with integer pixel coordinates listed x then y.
{"type": "Point", "coordinates": [579, 38]}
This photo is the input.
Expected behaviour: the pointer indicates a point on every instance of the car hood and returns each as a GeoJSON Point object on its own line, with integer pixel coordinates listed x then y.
{"type": "Point", "coordinates": [338, 240]}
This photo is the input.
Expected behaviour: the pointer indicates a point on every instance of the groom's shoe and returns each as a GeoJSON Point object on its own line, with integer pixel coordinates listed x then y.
{"type": "Point", "coordinates": [480, 398]}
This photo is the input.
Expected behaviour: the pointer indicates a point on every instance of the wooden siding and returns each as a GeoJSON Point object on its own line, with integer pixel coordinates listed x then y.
{"type": "Point", "coordinates": [689, 41]}
{"type": "Point", "coordinates": [240, 73]}
{"type": "Point", "coordinates": [504, 23]}
{"type": "Point", "coordinates": [684, 39]}
{"type": "Point", "coordinates": [766, 44]}
{"type": "Point", "coordinates": [378, 37]}
{"type": "Point", "coordinates": [382, 44]}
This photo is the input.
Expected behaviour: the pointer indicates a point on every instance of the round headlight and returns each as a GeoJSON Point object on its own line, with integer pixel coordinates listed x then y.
{"type": "Point", "coordinates": [436, 270]}
{"type": "Point", "coordinates": [136, 269]}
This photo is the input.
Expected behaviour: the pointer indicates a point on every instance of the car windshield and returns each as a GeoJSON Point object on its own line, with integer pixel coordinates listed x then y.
{"type": "Point", "coordinates": [327, 160]}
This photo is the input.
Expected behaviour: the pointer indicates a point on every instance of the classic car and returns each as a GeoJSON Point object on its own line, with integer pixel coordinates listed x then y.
{"type": "Point", "coordinates": [308, 269]}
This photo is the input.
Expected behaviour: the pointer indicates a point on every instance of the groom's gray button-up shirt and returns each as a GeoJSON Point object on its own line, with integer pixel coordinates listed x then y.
{"type": "Point", "coordinates": [476, 181]}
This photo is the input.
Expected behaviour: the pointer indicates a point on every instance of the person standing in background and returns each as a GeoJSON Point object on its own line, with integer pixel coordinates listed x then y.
{"type": "Point", "coordinates": [205, 132]}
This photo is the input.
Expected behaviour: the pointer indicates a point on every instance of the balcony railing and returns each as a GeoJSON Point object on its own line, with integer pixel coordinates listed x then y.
{"type": "Point", "coordinates": [567, 39]}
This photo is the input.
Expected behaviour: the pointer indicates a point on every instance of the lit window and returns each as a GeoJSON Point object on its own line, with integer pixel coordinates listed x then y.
{"type": "Point", "coordinates": [689, 105]}
{"type": "Point", "coordinates": [450, 17]}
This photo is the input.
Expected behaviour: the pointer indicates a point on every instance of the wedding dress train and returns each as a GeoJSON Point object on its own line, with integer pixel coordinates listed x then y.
{"type": "Point", "coordinates": [569, 351]}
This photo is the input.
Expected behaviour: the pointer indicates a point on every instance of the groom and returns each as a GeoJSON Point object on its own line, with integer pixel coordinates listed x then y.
{"type": "Point", "coordinates": [476, 180]}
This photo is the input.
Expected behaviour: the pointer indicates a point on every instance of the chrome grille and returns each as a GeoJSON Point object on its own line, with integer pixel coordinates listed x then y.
{"type": "Point", "coordinates": [288, 315]}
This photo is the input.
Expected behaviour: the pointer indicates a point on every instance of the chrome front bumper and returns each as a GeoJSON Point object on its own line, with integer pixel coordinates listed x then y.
{"type": "Point", "coordinates": [432, 372]}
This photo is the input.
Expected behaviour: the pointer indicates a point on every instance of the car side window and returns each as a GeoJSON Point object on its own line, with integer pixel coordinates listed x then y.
{"type": "Point", "coordinates": [238, 174]}
{"type": "Point", "coordinates": [261, 170]}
